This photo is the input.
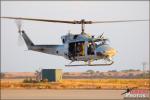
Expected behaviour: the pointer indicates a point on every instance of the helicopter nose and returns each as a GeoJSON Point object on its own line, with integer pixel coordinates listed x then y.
{"type": "Point", "coordinates": [106, 51]}
{"type": "Point", "coordinates": [110, 53]}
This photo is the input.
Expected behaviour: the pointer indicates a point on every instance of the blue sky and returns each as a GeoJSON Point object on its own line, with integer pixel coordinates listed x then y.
{"type": "Point", "coordinates": [131, 40]}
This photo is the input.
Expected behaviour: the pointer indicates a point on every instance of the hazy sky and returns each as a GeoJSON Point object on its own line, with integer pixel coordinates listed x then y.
{"type": "Point", "coordinates": [131, 40]}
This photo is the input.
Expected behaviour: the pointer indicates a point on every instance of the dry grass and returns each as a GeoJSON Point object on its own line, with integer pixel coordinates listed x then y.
{"type": "Point", "coordinates": [79, 84]}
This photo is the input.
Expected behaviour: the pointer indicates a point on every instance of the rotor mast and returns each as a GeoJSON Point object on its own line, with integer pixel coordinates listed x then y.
{"type": "Point", "coordinates": [83, 22]}
{"type": "Point", "coordinates": [82, 26]}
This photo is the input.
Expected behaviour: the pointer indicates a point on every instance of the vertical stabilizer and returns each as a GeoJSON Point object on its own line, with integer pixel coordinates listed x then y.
{"type": "Point", "coordinates": [27, 40]}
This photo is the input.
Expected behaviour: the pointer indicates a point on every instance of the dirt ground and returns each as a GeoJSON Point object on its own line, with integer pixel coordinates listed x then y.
{"type": "Point", "coordinates": [60, 94]}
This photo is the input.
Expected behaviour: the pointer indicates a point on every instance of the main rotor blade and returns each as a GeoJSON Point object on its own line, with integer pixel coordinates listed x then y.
{"type": "Point", "coordinates": [82, 21]}
{"type": "Point", "coordinates": [43, 20]}
{"type": "Point", "coordinates": [117, 21]}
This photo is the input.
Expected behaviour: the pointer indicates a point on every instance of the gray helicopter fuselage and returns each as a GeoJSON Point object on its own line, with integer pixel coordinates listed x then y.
{"type": "Point", "coordinates": [84, 39]}
{"type": "Point", "coordinates": [75, 47]}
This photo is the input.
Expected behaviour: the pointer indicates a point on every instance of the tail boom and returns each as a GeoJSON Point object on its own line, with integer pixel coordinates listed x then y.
{"type": "Point", "coordinates": [48, 49]}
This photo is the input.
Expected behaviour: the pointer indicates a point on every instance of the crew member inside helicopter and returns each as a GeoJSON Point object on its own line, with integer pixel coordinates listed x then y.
{"type": "Point", "coordinates": [80, 49]}
{"type": "Point", "coordinates": [91, 48]}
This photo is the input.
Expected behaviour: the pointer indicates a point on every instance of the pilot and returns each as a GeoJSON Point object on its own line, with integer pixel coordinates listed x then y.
{"type": "Point", "coordinates": [91, 48]}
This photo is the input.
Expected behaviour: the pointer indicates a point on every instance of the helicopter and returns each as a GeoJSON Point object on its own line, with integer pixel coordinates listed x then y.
{"type": "Point", "coordinates": [75, 47]}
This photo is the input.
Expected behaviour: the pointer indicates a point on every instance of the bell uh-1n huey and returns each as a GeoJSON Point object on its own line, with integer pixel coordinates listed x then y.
{"type": "Point", "coordinates": [76, 47]}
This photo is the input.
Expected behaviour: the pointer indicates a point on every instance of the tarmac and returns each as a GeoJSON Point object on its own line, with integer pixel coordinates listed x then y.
{"type": "Point", "coordinates": [60, 94]}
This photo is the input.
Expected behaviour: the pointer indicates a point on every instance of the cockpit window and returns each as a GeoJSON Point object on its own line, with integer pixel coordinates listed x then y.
{"type": "Point", "coordinates": [75, 36]}
{"type": "Point", "coordinates": [102, 42]}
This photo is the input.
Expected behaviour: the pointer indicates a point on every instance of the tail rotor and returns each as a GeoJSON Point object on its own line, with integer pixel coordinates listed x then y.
{"type": "Point", "coordinates": [19, 26]}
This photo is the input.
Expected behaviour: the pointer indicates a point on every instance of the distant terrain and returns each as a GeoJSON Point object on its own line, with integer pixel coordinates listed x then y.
{"type": "Point", "coordinates": [83, 75]}
{"type": "Point", "coordinates": [79, 80]}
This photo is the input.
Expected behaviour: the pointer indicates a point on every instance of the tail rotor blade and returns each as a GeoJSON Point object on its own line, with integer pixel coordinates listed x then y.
{"type": "Point", "coordinates": [19, 26]}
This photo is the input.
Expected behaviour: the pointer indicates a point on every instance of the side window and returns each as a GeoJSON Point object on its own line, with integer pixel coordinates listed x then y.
{"type": "Point", "coordinates": [63, 40]}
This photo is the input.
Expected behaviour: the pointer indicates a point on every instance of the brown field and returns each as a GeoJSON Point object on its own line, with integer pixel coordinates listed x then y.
{"type": "Point", "coordinates": [78, 84]}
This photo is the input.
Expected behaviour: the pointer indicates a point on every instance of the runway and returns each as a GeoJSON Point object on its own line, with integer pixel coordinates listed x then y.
{"type": "Point", "coordinates": [60, 94]}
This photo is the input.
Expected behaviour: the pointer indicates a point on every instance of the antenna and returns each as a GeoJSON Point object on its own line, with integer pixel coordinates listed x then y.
{"type": "Point", "coordinates": [144, 68]}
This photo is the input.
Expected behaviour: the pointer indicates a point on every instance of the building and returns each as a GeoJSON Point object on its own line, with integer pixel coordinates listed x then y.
{"type": "Point", "coordinates": [50, 75]}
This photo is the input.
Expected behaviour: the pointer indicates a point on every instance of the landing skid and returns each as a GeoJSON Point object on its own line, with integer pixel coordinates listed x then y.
{"type": "Point", "coordinates": [91, 64]}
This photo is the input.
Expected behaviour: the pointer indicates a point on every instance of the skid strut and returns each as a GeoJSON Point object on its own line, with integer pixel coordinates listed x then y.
{"type": "Point", "coordinates": [91, 64]}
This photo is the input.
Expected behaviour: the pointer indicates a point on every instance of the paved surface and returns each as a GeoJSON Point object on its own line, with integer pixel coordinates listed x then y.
{"type": "Point", "coordinates": [60, 94]}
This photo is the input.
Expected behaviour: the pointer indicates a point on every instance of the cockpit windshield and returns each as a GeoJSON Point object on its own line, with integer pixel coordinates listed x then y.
{"type": "Point", "coordinates": [103, 42]}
